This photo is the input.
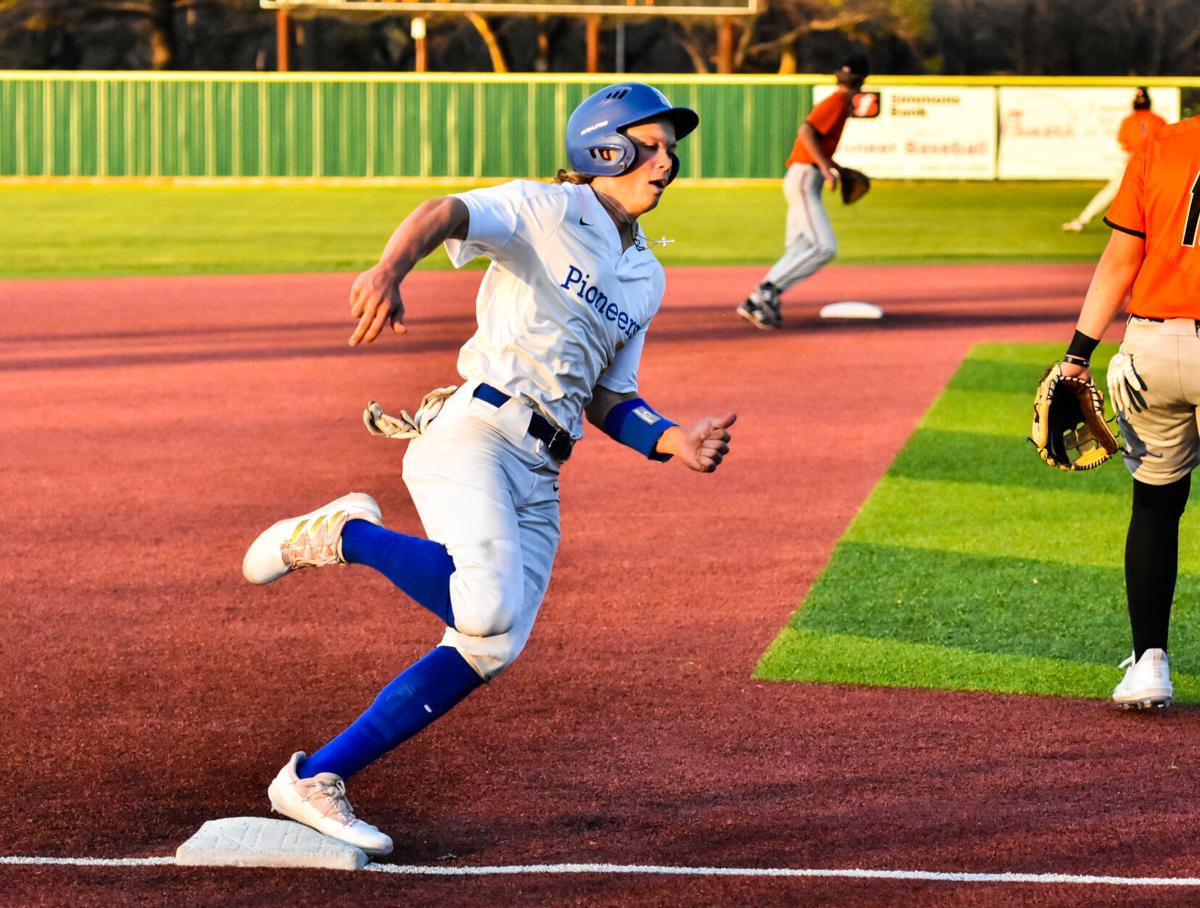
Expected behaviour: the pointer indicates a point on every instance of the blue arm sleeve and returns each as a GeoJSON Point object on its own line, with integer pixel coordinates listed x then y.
{"type": "Point", "coordinates": [635, 424]}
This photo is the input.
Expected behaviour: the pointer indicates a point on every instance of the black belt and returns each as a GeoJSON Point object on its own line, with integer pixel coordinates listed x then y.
{"type": "Point", "coordinates": [558, 442]}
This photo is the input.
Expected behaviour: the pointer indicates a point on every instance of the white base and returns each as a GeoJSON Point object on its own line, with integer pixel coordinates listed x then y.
{"type": "Point", "coordinates": [259, 842]}
{"type": "Point", "coordinates": [851, 309]}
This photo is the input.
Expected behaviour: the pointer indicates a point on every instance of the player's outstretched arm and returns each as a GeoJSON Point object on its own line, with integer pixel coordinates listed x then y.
{"type": "Point", "coordinates": [375, 295]}
{"type": "Point", "coordinates": [635, 424]}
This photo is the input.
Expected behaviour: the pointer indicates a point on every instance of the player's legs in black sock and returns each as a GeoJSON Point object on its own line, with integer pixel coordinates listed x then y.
{"type": "Point", "coordinates": [1152, 560]}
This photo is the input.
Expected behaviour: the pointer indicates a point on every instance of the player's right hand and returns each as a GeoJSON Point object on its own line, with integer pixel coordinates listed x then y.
{"type": "Point", "coordinates": [831, 178]}
{"type": "Point", "coordinates": [375, 301]}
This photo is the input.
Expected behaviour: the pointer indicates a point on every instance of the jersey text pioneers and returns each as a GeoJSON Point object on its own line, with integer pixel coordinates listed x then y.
{"type": "Point", "coordinates": [594, 297]}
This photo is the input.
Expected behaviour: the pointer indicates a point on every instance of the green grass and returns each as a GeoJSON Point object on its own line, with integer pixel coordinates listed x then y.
{"type": "Point", "coordinates": [77, 231]}
{"type": "Point", "coordinates": [974, 566]}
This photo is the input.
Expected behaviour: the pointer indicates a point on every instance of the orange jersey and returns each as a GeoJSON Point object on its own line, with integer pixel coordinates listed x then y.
{"type": "Point", "coordinates": [1159, 200]}
{"type": "Point", "coordinates": [829, 119]}
{"type": "Point", "coordinates": [1139, 128]}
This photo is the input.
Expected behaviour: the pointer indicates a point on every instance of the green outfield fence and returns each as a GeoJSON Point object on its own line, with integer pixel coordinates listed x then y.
{"type": "Point", "coordinates": [144, 125]}
{"type": "Point", "coordinates": [176, 125]}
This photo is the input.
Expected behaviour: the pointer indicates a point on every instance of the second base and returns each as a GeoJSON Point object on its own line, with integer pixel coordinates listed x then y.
{"type": "Point", "coordinates": [851, 309]}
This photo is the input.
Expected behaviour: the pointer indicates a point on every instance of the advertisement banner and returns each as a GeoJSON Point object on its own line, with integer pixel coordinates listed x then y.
{"type": "Point", "coordinates": [1069, 133]}
{"type": "Point", "coordinates": [911, 132]}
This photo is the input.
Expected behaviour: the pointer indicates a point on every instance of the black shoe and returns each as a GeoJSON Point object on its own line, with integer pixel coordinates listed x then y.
{"type": "Point", "coordinates": [761, 315]}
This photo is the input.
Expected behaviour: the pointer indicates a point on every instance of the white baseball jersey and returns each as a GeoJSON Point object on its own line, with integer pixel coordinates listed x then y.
{"type": "Point", "coordinates": [561, 308]}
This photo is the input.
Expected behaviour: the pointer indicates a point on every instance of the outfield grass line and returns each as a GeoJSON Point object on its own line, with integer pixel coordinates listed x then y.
{"type": "Point", "coordinates": [1007, 877]}
{"type": "Point", "coordinates": [165, 230]}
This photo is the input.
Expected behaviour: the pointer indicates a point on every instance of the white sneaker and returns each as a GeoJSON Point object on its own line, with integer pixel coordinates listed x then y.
{"type": "Point", "coordinates": [320, 802]}
{"type": "Point", "coordinates": [1147, 682]}
{"type": "Point", "coordinates": [311, 540]}
{"type": "Point", "coordinates": [1073, 226]}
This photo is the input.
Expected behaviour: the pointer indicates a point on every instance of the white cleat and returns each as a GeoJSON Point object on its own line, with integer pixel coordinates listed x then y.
{"type": "Point", "coordinates": [311, 540]}
{"type": "Point", "coordinates": [1073, 226]}
{"type": "Point", "coordinates": [321, 802]}
{"type": "Point", "coordinates": [1147, 682]}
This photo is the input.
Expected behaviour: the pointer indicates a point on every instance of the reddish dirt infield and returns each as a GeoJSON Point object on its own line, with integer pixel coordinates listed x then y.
{"type": "Point", "coordinates": [152, 427]}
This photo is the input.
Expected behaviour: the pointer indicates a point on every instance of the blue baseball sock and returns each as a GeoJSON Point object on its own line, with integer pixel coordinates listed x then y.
{"type": "Point", "coordinates": [420, 567]}
{"type": "Point", "coordinates": [419, 695]}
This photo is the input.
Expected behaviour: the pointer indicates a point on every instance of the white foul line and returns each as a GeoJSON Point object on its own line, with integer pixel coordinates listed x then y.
{"type": "Point", "coordinates": [856, 873]}
{"type": "Point", "coordinates": [849, 873]}
{"type": "Point", "coordinates": [88, 862]}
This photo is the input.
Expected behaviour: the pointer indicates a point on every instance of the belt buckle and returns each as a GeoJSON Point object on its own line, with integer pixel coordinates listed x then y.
{"type": "Point", "coordinates": [559, 446]}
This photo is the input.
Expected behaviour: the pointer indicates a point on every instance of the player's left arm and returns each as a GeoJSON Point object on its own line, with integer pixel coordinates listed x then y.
{"type": "Point", "coordinates": [627, 418]}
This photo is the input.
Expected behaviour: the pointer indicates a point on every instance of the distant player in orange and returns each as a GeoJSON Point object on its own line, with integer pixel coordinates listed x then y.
{"type": "Point", "coordinates": [810, 240]}
{"type": "Point", "coordinates": [1154, 381]}
{"type": "Point", "coordinates": [1136, 129]}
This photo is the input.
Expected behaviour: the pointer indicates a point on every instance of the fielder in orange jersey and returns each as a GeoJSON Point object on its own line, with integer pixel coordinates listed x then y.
{"type": "Point", "coordinates": [1135, 131]}
{"type": "Point", "coordinates": [810, 242]}
{"type": "Point", "coordinates": [1153, 381]}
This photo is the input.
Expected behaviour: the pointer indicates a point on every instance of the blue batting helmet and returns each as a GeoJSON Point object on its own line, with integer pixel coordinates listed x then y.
{"type": "Point", "coordinates": [596, 142]}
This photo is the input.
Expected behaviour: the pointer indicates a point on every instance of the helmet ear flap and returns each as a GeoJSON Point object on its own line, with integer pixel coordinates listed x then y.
{"type": "Point", "coordinates": [621, 155]}
{"type": "Point", "coordinates": [674, 169]}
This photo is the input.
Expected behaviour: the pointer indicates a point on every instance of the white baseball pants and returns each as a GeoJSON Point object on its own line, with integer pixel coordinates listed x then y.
{"type": "Point", "coordinates": [486, 490]}
{"type": "Point", "coordinates": [1102, 199]}
{"type": "Point", "coordinates": [810, 242]}
{"type": "Point", "coordinates": [1163, 441]}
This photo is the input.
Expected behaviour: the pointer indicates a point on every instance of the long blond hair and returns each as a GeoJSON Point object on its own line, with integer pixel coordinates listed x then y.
{"type": "Point", "coordinates": [571, 176]}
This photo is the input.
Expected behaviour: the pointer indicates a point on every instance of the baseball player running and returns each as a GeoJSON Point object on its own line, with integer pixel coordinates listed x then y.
{"type": "Point", "coordinates": [810, 242]}
{"type": "Point", "coordinates": [1154, 380]}
{"type": "Point", "coordinates": [1135, 131]}
{"type": "Point", "coordinates": [562, 317]}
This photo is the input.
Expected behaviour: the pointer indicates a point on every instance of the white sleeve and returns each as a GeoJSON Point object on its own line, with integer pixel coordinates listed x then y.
{"type": "Point", "coordinates": [622, 373]}
{"type": "Point", "coordinates": [495, 213]}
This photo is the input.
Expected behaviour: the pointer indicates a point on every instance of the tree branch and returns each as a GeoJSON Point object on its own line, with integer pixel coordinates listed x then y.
{"type": "Point", "coordinates": [838, 23]}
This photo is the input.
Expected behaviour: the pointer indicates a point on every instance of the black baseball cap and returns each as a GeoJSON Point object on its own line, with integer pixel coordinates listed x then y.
{"type": "Point", "coordinates": [855, 65]}
{"type": "Point", "coordinates": [1141, 98]}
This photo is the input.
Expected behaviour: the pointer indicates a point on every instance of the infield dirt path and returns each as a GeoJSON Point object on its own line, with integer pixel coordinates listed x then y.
{"type": "Point", "coordinates": [152, 427]}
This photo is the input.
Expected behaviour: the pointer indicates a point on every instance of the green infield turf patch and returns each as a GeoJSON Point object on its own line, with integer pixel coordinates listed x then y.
{"type": "Point", "coordinates": [974, 566]}
{"type": "Point", "coordinates": [95, 230]}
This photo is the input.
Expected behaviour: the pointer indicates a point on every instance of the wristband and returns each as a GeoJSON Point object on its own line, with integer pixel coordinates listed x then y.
{"type": "Point", "coordinates": [1081, 348]}
{"type": "Point", "coordinates": [635, 424]}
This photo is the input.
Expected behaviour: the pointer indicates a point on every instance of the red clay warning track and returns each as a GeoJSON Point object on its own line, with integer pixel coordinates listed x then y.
{"type": "Point", "coordinates": [152, 427]}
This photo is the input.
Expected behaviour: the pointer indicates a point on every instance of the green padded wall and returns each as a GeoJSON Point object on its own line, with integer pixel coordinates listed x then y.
{"type": "Point", "coordinates": [221, 125]}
